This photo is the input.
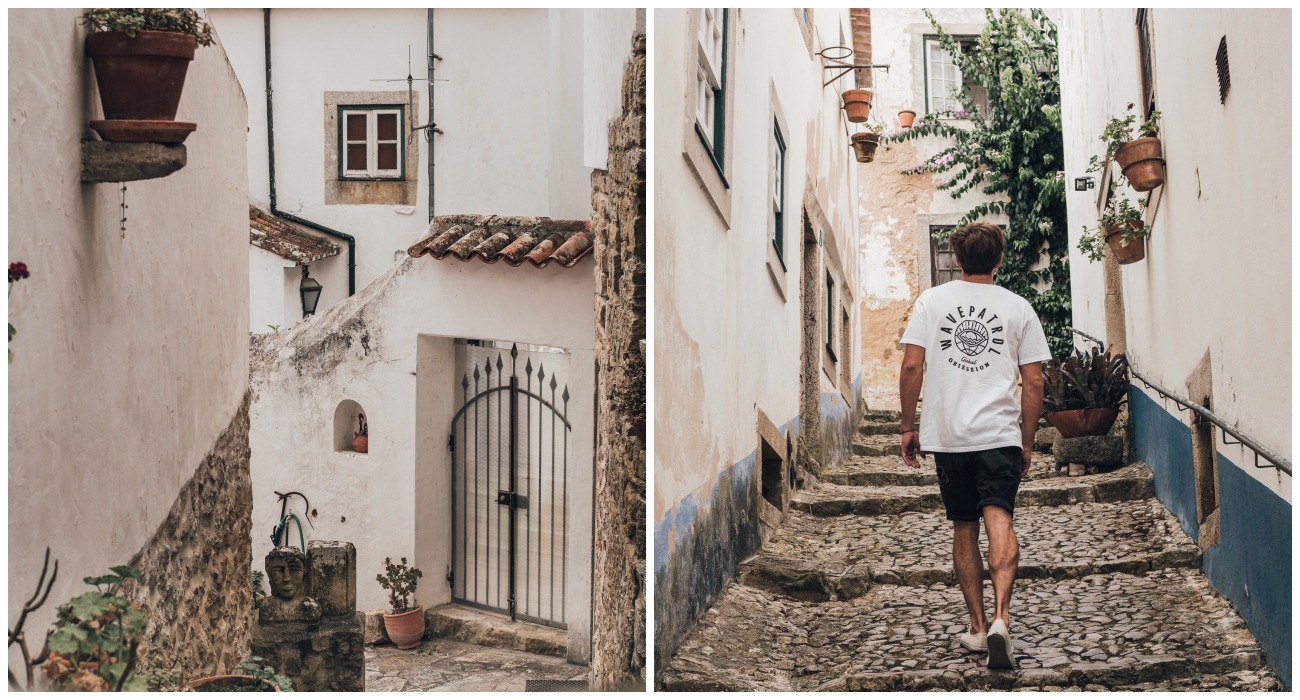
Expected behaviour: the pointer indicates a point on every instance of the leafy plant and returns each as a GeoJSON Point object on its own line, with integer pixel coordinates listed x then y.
{"type": "Point", "coordinates": [1119, 131]}
{"type": "Point", "coordinates": [95, 641]}
{"type": "Point", "coordinates": [874, 127]}
{"type": "Point", "coordinates": [400, 581]}
{"type": "Point", "coordinates": [258, 593]}
{"type": "Point", "coordinates": [262, 670]}
{"type": "Point", "coordinates": [1012, 151]}
{"type": "Point", "coordinates": [17, 271]}
{"type": "Point", "coordinates": [155, 19]}
{"type": "Point", "coordinates": [1119, 215]}
{"type": "Point", "coordinates": [1085, 380]}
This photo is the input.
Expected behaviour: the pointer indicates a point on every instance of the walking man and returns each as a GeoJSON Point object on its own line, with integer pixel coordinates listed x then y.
{"type": "Point", "coordinates": [968, 340]}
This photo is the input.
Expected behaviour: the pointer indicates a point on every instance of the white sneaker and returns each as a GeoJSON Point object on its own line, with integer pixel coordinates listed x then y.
{"type": "Point", "coordinates": [999, 645]}
{"type": "Point", "coordinates": [973, 641]}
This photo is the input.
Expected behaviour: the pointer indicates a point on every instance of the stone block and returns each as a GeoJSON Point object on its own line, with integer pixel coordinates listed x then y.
{"type": "Point", "coordinates": [334, 576]}
{"type": "Point", "coordinates": [1099, 450]}
{"type": "Point", "coordinates": [1045, 438]}
{"type": "Point", "coordinates": [329, 656]}
{"type": "Point", "coordinates": [374, 632]}
{"type": "Point", "coordinates": [104, 161]}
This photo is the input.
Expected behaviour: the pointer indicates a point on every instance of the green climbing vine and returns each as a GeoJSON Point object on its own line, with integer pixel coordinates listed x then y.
{"type": "Point", "coordinates": [1012, 151]}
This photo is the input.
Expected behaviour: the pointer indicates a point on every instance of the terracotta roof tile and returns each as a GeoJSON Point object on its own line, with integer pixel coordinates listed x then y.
{"type": "Point", "coordinates": [514, 239]}
{"type": "Point", "coordinates": [275, 235]}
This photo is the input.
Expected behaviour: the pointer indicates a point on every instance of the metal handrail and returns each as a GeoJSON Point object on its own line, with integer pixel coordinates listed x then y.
{"type": "Point", "coordinates": [1276, 461]}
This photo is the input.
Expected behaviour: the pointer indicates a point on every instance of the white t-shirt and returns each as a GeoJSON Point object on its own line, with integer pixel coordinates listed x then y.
{"type": "Point", "coordinates": [976, 337]}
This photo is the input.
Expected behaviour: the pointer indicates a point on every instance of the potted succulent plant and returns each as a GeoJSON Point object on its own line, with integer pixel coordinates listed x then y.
{"type": "Point", "coordinates": [141, 56]}
{"type": "Point", "coordinates": [865, 142]}
{"type": "Point", "coordinates": [905, 118]}
{"type": "Point", "coordinates": [1082, 394]}
{"type": "Point", "coordinates": [1140, 158]}
{"type": "Point", "coordinates": [1122, 228]}
{"type": "Point", "coordinates": [857, 105]}
{"type": "Point", "coordinates": [405, 625]}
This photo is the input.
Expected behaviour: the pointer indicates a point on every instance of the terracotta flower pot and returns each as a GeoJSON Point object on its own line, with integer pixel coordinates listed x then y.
{"type": "Point", "coordinates": [230, 681]}
{"type": "Point", "coordinates": [361, 443]}
{"type": "Point", "coordinates": [1135, 250]}
{"type": "Point", "coordinates": [1083, 421]}
{"type": "Point", "coordinates": [864, 146]}
{"type": "Point", "coordinates": [140, 79]}
{"type": "Point", "coordinates": [405, 629]}
{"type": "Point", "coordinates": [1142, 163]}
{"type": "Point", "coordinates": [905, 118]}
{"type": "Point", "coordinates": [857, 105]}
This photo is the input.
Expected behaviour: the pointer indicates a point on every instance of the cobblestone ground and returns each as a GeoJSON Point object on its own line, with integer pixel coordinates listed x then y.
{"type": "Point", "coordinates": [856, 592]}
{"type": "Point", "coordinates": [445, 664]}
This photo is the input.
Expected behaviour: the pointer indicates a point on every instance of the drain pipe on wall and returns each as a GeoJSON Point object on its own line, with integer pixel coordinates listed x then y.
{"type": "Point", "coordinates": [270, 159]}
{"type": "Point", "coordinates": [432, 129]}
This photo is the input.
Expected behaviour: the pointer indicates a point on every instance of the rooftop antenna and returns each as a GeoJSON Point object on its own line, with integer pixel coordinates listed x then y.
{"type": "Point", "coordinates": [410, 97]}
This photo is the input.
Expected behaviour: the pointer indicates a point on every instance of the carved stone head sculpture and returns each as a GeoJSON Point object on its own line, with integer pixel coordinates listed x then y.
{"type": "Point", "coordinates": [287, 569]}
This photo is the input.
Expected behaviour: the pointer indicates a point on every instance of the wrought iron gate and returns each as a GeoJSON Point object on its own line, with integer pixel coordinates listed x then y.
{"type": "Point", "coordinates": [510, 505]}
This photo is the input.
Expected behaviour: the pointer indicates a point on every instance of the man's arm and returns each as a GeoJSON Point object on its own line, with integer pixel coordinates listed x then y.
{"type": "Point", "coordinates": [1031, 406]}
{"type": "Point", "coordinates": [910, 378]}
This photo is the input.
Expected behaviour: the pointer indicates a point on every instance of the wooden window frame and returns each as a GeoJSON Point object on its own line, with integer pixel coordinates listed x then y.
{"type": "Point", "coordinates": [711, 43]}
{"type": "Point", "coordinates": [1146, 61]}
{"type": "Point", "coordinates": [935, 270]}
{"type": "Point", "coordinates": [372, 142]}
{"type": "Point", "coordinates": [778, 194]}
{"type": "Point", "coordinates": [929, 40]}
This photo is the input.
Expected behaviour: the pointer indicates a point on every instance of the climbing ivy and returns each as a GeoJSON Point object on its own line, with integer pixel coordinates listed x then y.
{"type": "Point", "coordinates": [1013, 152]}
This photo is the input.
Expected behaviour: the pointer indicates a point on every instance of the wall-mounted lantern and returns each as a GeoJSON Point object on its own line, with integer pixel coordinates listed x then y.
{"type": "Point", "coordinates": [1085, 183]}
{"type": "Point", "coordinates": [310, 292]}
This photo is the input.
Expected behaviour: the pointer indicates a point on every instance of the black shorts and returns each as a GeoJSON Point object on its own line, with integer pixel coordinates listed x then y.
{"type": "Point", "coordinates": [968, 481]}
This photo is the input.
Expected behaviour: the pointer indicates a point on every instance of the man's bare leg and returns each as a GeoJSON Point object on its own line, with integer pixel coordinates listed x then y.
{"type": "Point", "coordinates": [970, 571]}
{"type": "Point", "coordinates": [1004, 558]}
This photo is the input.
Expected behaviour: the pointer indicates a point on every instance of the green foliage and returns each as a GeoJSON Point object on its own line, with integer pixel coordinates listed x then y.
{"type": "Point", "coordinates": [1014, 152]}
{"type": "Point", "coordinates": [1119, 131]}
{"type": "Point", "coordinates": [258, 592]}
{"type": "Point", "coordinates": [1119, 215]}
{"type": "Point", "coordinates": [400, 581]}
{"type": "Point", "coordinates": [131, 20]}
{"type": "Point", "coordinates": [1085, 380]}
{"type": "Point", "coordinates": [96, 637]}
{"type": "Point", "coordinates": [259, 668]}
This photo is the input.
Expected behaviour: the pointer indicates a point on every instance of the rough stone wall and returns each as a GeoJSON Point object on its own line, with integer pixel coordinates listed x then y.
{"type": "Point", "coordinates": [618, 227]}
{"type": "Point", "coordinates": [197, 582]}
{"type": "Point", "coordinates": [811, 455]}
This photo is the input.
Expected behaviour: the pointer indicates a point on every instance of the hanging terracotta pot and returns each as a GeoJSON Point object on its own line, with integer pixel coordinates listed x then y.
{"type": "Point", "coordinates": [905, 118]}
{"type": "Point", "coordinates": [405, 629]}
{"type": "Point", "coordinates": [1083, 421]}
{"type": "Point", "coordinates": [857, 105]}
{"type": "Point", "coordinates": [1136, 248]}
{"type": "Point", "coordinates": [140, 80]}
{"type": "Point", "coordinates": [864, 146]}
{"type": "Point", "coordinates": [1142, 163]}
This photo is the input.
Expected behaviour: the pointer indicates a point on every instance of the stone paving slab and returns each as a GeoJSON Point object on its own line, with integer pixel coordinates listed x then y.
{"type": "Point", "coordinates": [817, 558]}
{"type": "Point", "coordinates": [490, 629]}
{"type": "Point", "coordinates": [827, 499]}
{"type": "Point", "coordinates": [446, 664]}
{"type": "Point", "coordinates": [1111, 630]}
{"type": "Point", "coordinates": [891, 470]}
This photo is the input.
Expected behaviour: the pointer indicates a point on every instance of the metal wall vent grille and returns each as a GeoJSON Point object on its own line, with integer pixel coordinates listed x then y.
{"type": "Point", "coordinates": [1221, 60]}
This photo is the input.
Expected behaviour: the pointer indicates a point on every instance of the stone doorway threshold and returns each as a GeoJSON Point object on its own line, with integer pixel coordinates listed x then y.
{"type": "Point", "coordinates": [450, 665]}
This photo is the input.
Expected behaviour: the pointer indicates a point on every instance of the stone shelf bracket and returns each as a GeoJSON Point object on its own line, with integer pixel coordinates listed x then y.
{"type": "Point", "coordinates": [105, 161]}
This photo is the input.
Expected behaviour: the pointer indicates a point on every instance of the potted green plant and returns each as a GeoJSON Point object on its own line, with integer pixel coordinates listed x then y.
{"type": "Point", "coordinates": [1140, 157]}
{"type": "Point", "coordinates": [95, 641]}
{"type": "Point", "coordinates": [140, 57]}
{"type": "Point", "coordinates": [1122, 228]}
{"type": "Point", "coordinates": [865, 142]}
{"type": "Point", "coordinates": [857, 105]}
{"type": "Point", "coordinates": [1082, 394]}
{"type": "Point", "coordinates": [405, 624]}
{"type": "Point", "coordinates": [258, 676]}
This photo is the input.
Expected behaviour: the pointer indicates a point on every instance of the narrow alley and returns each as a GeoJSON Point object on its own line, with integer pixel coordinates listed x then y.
{"type": "Point", "coordinates": [855, 591]}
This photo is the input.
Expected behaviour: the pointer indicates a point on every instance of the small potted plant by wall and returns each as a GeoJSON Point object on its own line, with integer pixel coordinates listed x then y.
{"type": "Point", "coordinates": [141, 56]}
{"type": "Point", "coordinates": [1123, 230]}
{"type": "Point", "coordinates": [1082, 394]}
{"type": "Point", "coordinates": [256, 676]}
{"type": "Point", "coordinates": [1140, 159]}
{"type": "Point", "coordinates": [865, 142]}
{"type": "Point", "coordinates": [906, 117]}
{"type": "Point", "coordinates": [405, 625]}
{"type": "Point", "coordinates": [857, 105]}
{"type": "Point", "coordinates": [361, 443]}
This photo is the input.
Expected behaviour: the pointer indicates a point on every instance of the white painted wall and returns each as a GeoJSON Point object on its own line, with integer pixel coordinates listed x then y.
{"type": "Point", "coordinates": [1218, 262]}
{"type": "Point", "coordinates": [606, 48]}
{"type": "Point", "coordinates": [395, 500]}
{"type": "Point", "coordinates": [726, 340]}
{"type": "Point", "coordinates": [273, 283]}
{"type": "Point", "coordinates": [132, 352]}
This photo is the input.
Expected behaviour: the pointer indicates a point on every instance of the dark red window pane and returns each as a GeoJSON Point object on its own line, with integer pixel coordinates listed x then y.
{"type": "Point", "coordinates": [388, 156]}
{"type": "Point", "coordinates": [387, 127]}
{"type": "Point", "coordinates": [356, 157]}
{"type": "Point", "coordinates": [356, 127]}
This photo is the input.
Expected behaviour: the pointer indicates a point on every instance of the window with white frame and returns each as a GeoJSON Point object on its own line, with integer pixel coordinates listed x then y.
{"type": "Point", "coordinates": [371, 143]}
{"type": "Point", "coordinates": [710, 78]}
{"type": "Point", "coordinates": [944, 80]}
{"type": "Point", "coordinates": [778, 193]}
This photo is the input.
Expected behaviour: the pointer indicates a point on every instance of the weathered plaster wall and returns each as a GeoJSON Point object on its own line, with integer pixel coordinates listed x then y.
{"type": "Point", "coordinates": [273, 290]}
{"type": "Point", "coordinates": [728, 328]}
{"type": "Point", "coordinates": [618, 225]}
{"type": "Point", "coordinates": [131, 352]}
{"type": "Point", "coordinates": [1214, 277]}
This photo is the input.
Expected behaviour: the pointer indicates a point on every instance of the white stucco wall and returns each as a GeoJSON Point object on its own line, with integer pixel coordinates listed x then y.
{"type": "Point", "coordinates": [727, 339]}
{"type": "Point", "coordinates": [1218, 263]}
{"type": "Point", "coordinates": [395, 500]}
{"type": "Point", "coordinates": [606, 48]}
{"type": "Point", "coordinates": [132, 352]}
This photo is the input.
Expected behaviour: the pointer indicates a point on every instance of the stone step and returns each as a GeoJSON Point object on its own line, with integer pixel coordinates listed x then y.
{"type": "Point", "coordinates": [487, 629]}
{"type": "Point", "coordinates": [815, 558]}
{"type": "Point", "coordinates": [876, 445]}
{"type": "Point", "coordinates": [827, 499]}
{"type": "Point", "coordinates": [891, 470]}
{"type": "Point", "coordinates": [871, 428]}
{"type": "Point", "coordinates": [1110, 630]}
{"type": "Point", "coordinates": [883, 416]}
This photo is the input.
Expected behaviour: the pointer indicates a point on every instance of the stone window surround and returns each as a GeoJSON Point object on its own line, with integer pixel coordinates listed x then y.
{"type": "Point", "coordinates": [712, 176]}
{"type": "Point", "coordinates": [777, 266]}
{"type": "Point", "coordinates": [769, 437]}
{"type": "Point", "coordinates": [354, 191]}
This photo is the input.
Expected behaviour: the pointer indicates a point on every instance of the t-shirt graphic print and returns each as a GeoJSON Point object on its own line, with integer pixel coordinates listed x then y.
{"type": "Point", "coordinates": [976, 337]}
